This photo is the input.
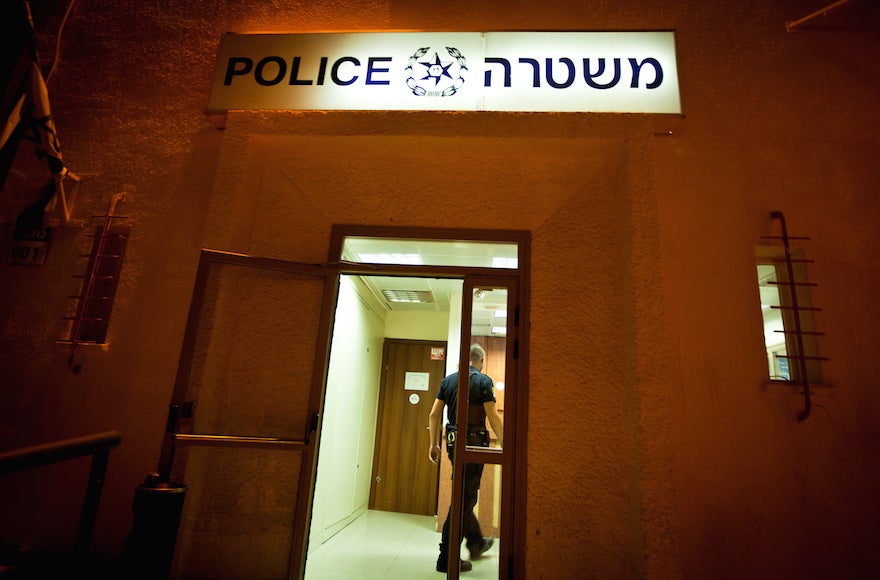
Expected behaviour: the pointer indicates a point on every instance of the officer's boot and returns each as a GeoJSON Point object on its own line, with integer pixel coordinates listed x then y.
{"type": "Point", "coordinates": [443, 561]}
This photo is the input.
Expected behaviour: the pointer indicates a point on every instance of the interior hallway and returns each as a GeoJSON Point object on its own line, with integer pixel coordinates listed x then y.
{"type": "Point", "coordinates": [388, 545]}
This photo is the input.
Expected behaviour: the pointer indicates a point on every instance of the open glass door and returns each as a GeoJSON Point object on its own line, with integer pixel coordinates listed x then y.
{"type": "Point", "coordinates": [494, 266]}
{"type": "Point", "coordinates": [245, 408]}
{"type": "Point", "coordinates": [482, 460]}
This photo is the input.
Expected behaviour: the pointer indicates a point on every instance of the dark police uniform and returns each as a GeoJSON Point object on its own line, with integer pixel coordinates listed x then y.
{"type": "Point", "coordinates": [480, 390]}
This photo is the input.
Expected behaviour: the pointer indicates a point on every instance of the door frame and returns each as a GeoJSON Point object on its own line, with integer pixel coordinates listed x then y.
{"type": "Point", "coordinates": [512, 551]}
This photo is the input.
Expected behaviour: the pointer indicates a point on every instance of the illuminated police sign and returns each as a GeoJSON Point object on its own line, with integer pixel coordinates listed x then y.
{"type": "Point", "coordinates": [619, 72]}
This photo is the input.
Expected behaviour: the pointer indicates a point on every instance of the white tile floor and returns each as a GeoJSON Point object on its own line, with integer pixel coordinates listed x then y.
{"type": "Point", "coordinates": [391, 546]}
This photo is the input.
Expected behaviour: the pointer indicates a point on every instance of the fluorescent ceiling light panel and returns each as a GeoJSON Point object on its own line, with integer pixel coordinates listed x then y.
{"type": "Point", "coordinates": [511, 263]}
{"type": "Point", "coordinates": [395, 258]}
{"type": "Point", "coordinates": [409, 296]}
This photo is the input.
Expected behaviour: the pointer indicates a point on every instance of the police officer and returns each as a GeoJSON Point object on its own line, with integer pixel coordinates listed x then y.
{"type": "Point", "coordinates": [481, 406]}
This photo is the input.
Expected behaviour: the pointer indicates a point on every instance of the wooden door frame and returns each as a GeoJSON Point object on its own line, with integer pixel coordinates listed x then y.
{"type": "Point", "coordinates": [516, 408]}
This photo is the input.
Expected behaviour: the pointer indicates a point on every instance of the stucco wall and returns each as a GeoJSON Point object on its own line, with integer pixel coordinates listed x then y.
{"type": "Point", "coordinates": [775, 121]}
{"type": "Point", "coordinates": [651, 430]}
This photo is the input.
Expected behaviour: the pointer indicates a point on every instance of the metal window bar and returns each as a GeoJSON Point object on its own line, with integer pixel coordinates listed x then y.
{"type": "Point", "coordinates": [798, 332]}
{"type": "Point", "coordinates": [776, 283]}
{"type": "Point", "coordinates": [812, 332]}
{"type": "Point", "coordinates": [805, 357]}
{"type": "Point", "coordinates": [98, 446]}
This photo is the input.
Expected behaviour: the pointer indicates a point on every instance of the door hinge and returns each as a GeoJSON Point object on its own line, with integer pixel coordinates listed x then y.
{"type": "Point", "coordinates": [173, 417]}
{"type": "Point", "coordinates": [176, 412]}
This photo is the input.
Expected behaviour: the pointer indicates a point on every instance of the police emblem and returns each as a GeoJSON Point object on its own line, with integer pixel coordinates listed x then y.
{"type": "Point", "coordinates": [433, 76]}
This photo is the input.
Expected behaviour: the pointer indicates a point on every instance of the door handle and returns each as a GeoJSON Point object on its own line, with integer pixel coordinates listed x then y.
{"type": "Point", "coordinates": [378, 479]}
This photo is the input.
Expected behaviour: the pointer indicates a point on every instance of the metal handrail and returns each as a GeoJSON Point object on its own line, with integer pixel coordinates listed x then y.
{"type": "Point", "coordinates": [98, 446]}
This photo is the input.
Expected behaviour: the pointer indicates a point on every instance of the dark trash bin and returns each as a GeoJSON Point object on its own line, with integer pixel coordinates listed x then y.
{"type": "Point", "coordinates": [149, 548]}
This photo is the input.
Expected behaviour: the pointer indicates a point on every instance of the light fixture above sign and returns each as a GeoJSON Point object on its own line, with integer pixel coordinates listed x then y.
{"type": "Point", "coordinates": [600, 72]}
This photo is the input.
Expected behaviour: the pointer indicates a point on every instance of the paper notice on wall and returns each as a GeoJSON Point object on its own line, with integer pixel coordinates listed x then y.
{"type": "Point", "coordinates": [417, 381]}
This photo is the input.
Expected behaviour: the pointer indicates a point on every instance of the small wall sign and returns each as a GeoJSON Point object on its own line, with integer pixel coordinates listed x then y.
{"type": "Point", "coordinates": [29, 247]}
{"type": "Point", "coordinates": [566, 71]}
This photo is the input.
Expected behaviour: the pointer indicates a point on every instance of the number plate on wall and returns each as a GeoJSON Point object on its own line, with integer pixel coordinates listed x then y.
{"type": "Point", "coordinates": [29, 246]}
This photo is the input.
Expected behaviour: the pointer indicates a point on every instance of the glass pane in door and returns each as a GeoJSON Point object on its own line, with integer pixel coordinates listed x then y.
{"type": "Point", "coordinates": [481, 524]}
{"type": "Point", "coordinates": [237, 517]}
{"type": "Point", "coordinates": [252, 369]}
{"type": "Point", "coordinates": [489, 331]}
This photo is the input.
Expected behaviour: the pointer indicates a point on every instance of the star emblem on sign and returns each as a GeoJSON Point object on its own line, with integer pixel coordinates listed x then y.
{"type": "Point", "coordinates": [436, 69]}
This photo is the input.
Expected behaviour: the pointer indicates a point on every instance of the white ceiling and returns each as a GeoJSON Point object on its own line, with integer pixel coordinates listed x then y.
{"type": "Point", "coordinates": [434, 252]}
{"type": "Point", "coordinates": [487, 303]}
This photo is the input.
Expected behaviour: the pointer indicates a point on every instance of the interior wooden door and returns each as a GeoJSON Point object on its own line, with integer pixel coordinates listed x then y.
{"type": "Point", "coordinates": [403, 480]}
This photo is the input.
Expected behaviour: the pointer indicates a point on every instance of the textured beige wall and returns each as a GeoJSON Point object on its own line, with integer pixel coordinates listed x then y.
{"type": "Point", "coordinates": [655, 447]}
{"type": "Point", "coordinates": [775, 121]}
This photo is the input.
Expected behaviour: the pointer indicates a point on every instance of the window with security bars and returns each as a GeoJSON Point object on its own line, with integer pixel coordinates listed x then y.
{"type": "Point", "coordinates": [787, 311]}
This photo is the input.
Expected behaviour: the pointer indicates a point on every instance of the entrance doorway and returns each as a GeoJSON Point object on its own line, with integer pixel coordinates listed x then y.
{"type": "Point", "coordinates": [254, 394]}
{"type": "Point", "coordinates": [397, 276]}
